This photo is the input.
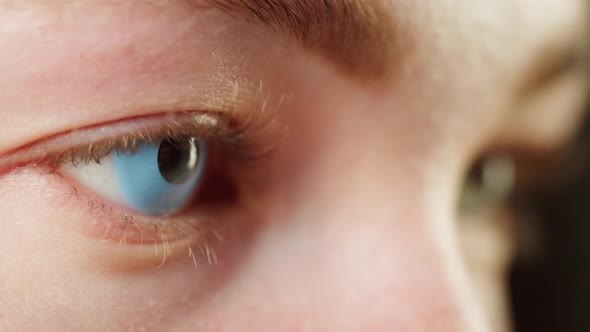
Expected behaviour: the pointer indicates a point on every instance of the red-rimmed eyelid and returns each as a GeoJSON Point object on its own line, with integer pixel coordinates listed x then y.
{"type": "Point", "coordinates": [91, 142]}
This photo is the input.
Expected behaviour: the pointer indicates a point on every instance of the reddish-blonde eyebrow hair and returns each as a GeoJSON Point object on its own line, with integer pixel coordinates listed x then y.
{"type": "Point", "coordinates": [360, 36]}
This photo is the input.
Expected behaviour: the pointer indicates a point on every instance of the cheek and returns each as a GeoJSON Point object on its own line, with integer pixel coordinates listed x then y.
{"type": "Point", "coordinates": [54, 277]}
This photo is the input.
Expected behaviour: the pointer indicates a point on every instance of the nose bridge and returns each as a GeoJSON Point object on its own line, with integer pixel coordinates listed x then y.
{"type": "Point", "coordinates": [362, 253]}
{"type": "Point", "coordinates": [341, 272]}
{"type": "Point", "coordinates": [354, 244]}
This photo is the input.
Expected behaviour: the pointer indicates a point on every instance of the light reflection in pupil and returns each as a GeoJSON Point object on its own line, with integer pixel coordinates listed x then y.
{"type": "Point", "coordinates": [177, 161]}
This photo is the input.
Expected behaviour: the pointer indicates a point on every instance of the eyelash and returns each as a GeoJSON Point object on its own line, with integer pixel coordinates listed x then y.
{"type": "Point", "coordinates": [233, 140]}
{"type": "Point", "coordinates": [240, 140]}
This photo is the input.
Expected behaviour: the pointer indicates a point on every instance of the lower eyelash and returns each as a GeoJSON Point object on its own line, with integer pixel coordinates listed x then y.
{"type": "Point", "coordinates": [203, 232]}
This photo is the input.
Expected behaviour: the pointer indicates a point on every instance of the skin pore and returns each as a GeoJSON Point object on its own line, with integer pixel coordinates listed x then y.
{"type": "Point", "coordinates": [350, 224]}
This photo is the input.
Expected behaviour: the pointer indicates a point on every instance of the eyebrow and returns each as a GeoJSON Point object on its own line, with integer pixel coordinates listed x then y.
{"type": "Point", "coordinates": [363, 38]}
{"type": "Point", "coordinates": [359, 37]}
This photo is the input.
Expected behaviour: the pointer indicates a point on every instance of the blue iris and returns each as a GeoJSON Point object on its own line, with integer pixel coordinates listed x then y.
{"type": "Point", "coordinates": [160, 178]}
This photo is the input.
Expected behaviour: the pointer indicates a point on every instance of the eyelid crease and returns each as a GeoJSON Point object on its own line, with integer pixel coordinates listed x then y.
{"type": "Point", "coordinates": [245, 137]}
{"type": "Point", "coordinates": [555, 63]}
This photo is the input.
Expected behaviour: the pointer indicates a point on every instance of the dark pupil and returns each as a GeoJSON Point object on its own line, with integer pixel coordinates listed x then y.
{"type": "Point", "coordinates": [177, 160]}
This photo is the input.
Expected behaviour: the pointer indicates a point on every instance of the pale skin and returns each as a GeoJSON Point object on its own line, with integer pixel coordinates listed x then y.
{"type": "Point", "coordinates": [353, 225]}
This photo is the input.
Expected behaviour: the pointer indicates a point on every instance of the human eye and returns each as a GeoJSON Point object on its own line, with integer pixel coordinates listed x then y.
{"type": "Point", "coordinates": [155, 177]}
{"type": "Point", "coordinates": [160, 181]}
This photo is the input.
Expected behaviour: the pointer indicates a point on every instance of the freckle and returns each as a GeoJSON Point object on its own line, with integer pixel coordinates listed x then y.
{"type": "Point", "coordinates": [130, 49]}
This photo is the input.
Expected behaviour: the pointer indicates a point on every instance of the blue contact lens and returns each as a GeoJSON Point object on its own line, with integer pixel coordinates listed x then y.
{"type": "Point", "coordinates": [160, 178]}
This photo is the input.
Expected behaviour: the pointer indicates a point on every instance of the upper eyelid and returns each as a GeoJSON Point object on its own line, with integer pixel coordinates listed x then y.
{"type": "Point", "coordinates": [202, 123]}
{"type": "Point", "coordinates": [555, 63]}
{"type": "Point", "coordinates": [245, 125]}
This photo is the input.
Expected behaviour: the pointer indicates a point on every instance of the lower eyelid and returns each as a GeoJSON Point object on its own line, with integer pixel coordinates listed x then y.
{"type": "Point", "coordinates": [125, 243]}
{"type": "Point", "coordinates": [108, 223]}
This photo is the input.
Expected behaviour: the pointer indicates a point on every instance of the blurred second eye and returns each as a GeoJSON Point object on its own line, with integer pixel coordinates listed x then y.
{"type": "Point", "coordinates": [155, 178]}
